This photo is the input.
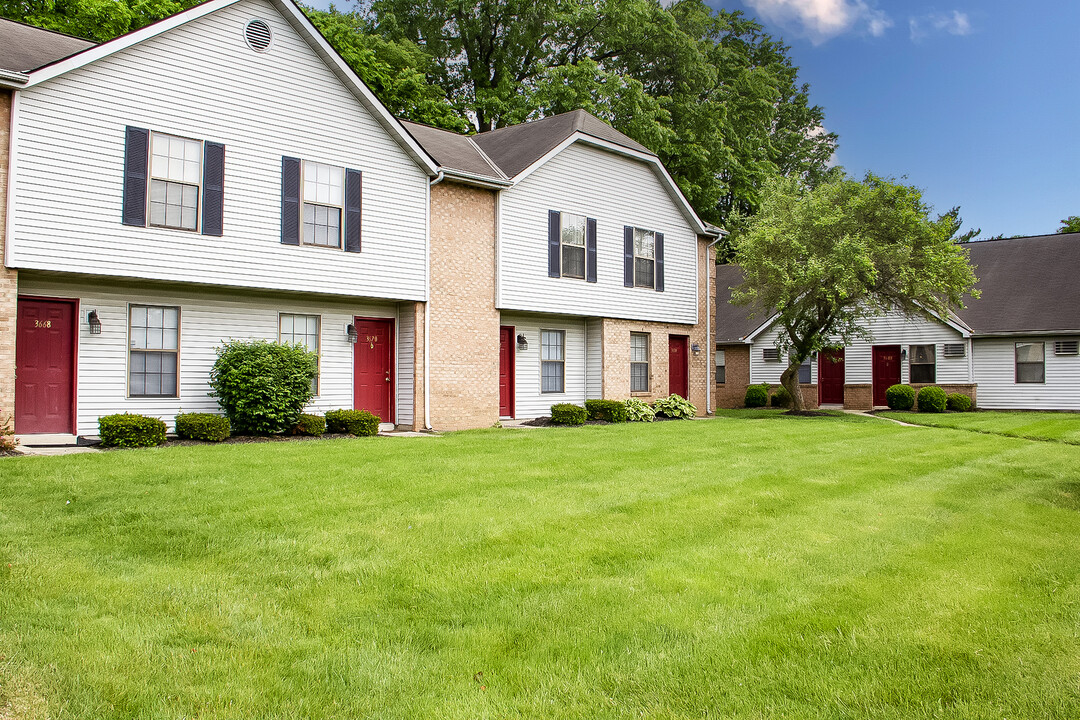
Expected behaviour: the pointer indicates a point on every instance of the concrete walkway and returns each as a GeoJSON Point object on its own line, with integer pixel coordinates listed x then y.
{"type": "Point", "coordinates": [881, 417]}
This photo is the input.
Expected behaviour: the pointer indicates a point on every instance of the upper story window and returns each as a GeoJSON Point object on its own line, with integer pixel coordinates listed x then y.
{"type": "Point", "coordinates": [573, 245]}
{"type": "Point", "coordinates": [154, 347]}
{"type": "Point", "coordinates": [644, 258]}
{"type": "Point", "coordinates": [1030, 362]}
{"type": "Point", "coordinates": [324, 200]}
{"type": "Point", "coordinates": [922, 360]}
{"type": "Point", "coordinates": [321, 204]}
{"type": "Point", "coordinates": [175, 179]}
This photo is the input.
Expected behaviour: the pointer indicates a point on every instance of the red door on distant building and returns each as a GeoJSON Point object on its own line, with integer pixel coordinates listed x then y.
{"type": "Point", "coordinates": [678, 366]}
{"type": "Point", "coordinates": [506, 371]}
{"type": "Point", "coordinates": [373, 367]}
{"type": "Point", "coordinates": [830, 368]}
{"type": "Point", "coordinates": [45, 366]}
{"type": "Point", "coordinates": [886, 361]}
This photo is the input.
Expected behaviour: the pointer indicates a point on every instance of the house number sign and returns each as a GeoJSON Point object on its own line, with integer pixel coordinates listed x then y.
{"type": "Point", "coordinates": [43, 323]}
{"type": "Point", "coordinates": [372, 339]}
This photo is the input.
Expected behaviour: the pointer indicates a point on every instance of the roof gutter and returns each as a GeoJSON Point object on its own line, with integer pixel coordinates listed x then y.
{"type": "Point", "coordinates": [12, 79]}
{"type": "Point", "coordinates": [1016, 333]}
{"type": "Point", "coordinates": [473, 179]}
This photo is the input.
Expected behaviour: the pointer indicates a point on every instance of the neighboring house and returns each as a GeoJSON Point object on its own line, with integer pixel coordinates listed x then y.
{"type": "Point", "coordinates": [1013, 348]}
{"type": "Point", "coordinates": [219, 174]}
{"type": "Point", "coordinates": [565, 265]}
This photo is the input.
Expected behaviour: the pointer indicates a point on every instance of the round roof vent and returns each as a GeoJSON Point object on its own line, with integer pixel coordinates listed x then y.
{"type": "Point", "coordinates": [258, 36]}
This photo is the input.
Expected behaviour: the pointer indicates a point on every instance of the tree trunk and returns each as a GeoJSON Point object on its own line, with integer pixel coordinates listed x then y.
{"type": "Point", "coordinates": [790, 380]}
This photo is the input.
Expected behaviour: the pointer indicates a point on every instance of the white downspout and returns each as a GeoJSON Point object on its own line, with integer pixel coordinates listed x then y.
{"type": "Point", "coordinates": [710, 368]}
{"type": "Point", "coordinates": [427, 306]}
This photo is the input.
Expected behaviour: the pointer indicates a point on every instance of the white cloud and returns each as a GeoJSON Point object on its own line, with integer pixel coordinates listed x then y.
{"type": "Point", "coordinates": [821, 20]}
{"type": "Point", "coordinates": [954, 23]}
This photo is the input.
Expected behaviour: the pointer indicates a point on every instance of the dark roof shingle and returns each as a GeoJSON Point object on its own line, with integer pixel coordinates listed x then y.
{"type": "Point", "coordinates": [24, 48]}
{"type": "Point", "coordinates": [734, 322]}
{"type": "Point", "coordinates": [451, 150]}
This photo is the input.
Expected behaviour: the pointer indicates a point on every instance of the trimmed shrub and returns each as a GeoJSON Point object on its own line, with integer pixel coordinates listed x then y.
{"type": "Point", "coordinates": [360, 423]}
{"type": "Point", "coordinates": [639, 411]}
{"type": "Point", "coordinates": [674, 406]}
{"type": "Point", "coordinates": [609, 410]}
{"type": "Point", "coordinates": [567, 414]}
{"type": "Point", "coordinates": [202, 426]}
{"type": "Point", "coordinates": [932, 399]}
{"type": "Point", "coordinates": [8, 443]}
{"type": "Point", "coordinates": [900, 397]}
{"type": "Point", "coordinates": [958, 402]}
{"type": "Point", "coordinates": [314, 425]}
{"type": "Point", "coordinates": [129, 430]}
{"type": "Point", "coordinates": [757, 396]}
{"type": "Point", "coordinates": [781, 398]}
{"type": "Point", "coordinates": [262, 386]}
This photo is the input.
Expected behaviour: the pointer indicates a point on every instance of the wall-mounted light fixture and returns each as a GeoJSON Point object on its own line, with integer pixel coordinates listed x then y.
{"type": "Point", "coordinates": [350, 333]}
{"type": "Point", "coordinates": [523, 342]}
{"type": "Point", "coordinates": [94, 323]}
{"type": "Point", "coordinates": [903, 354]}
{"type": "Point", "coordinates": [695, 348]}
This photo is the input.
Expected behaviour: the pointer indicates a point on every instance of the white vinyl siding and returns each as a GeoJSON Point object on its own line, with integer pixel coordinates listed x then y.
{"type": "Point", "coordinates": [594, 360]}
{"type": "Point", "coordinates": [201, 80]}
{"type": "Point", "coordinates": [617, 191]}
{"type": "Point", "coordinates": [995, 373]}
{"type": "Point", "coordinates": [406, 352]}
{"type": "Point", "coordinates": [207, 319]}
{"type": "Point", "coordinates": [530, 401]}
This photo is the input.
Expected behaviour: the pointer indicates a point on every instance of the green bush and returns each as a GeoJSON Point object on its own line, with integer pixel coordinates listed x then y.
{"type": "Point", "coordinates": [674, 406]}
{"type": "Point", "coordinates": [609, 410]}
{"type": "Point", "coordinates": [781, 398]}
{"type": "Point", "coordinates": [900, 397]}
{"type": "Point", "coordinates": [639, 411]}
{"type": "Point", "coordinates": [567, 414]}
{"type": "Point", "coordinates": [354, 422]}
{"type": "Point", "coordinates": [262, 386]}
{"type": "Point", "coordinates": [313, 425]}
{"type": "Point", "coordinates": [129, 430]}
{"type": "Point", "coordinates": [958, 402]}
{"type": "Point", "coordinates": [757, 396]}
{"type": "Point", "coordinates": [202, 426]}
{"type": "Point", "coordinates": [932, 399]}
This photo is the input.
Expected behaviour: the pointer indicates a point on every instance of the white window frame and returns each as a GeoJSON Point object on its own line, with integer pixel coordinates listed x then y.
{"type": "Point", "coordinates": [912, 364]}
{"type": "Point", "coordinates": [563, 226]}
{"type": "Point", "coordinates": [152, 178]}
{"type": "Point", "coordinates": [1017, 363]}
{"type": "Point", "coordinates": [145, 350]}
{"type": "Point", "coordinates": [652, 258]}
{"type": "Point", "coordinates": [646, 362]}
{"type": "Point", "coordinates": [304, 203]}
{"type": "Point", "coordinates": [721, 365]}
{"type": "Point", "coordinates": [316, 382]}
{"type": "Point", "coordinates": [561, 362]}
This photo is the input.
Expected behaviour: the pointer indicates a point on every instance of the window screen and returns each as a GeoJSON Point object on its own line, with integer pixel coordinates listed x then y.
{"type": "Point", "coordinates": [1030, 363]}
{"type": "Point", "coordinates": [301, 330]}
{"type": "Point", "coordinates": [922, 364]}
{"type": "Point", "coordinates": [573, 245]}
{"type": "Point", "coordinates": [721, 367]}
{"type": "Point", "coordinates": [552, 361]}
{"type": "Point", "coordinates": [324, 196]}
{"type": "Point", "coordinates": [644, 258]}
{"type": "Point", "coordinates": [154, 334]}
{"type": "Point", "coordinates": [175, 176]}
{"type": "Point", "coordinates": [639, 362]}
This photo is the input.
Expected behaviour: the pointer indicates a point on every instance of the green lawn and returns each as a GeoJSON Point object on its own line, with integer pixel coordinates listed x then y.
{"type": "Point", "coordinates": [754, 566]}
{"type": "Point", "coordinates": [1059, 427]}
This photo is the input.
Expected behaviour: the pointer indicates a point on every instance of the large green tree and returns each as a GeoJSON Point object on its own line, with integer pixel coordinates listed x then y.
{"type": "Point", "coordinates": [1070, 224]}
{"type": "Point", "coordinates": [97, 20]}
{"type": "Point", "coordinates": [826, 259]}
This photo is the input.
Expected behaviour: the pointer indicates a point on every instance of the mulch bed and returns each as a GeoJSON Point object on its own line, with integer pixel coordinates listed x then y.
{"type": "Point", "coordinates": [546, 422]}
{"type": "Point", "coordinates": [245, 439]}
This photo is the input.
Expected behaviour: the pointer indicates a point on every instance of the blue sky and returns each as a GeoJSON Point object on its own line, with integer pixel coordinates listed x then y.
{"type": "Point", "coordinates": [976, 101]}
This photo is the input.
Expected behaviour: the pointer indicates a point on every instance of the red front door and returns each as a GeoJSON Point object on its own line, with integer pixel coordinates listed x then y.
{"type": "Point", "coordinates": [45, 366]}
{"type": "Point", "coordinates": [678, 370]}
{"type": "Point", "coordinates": [886, 370]}
{"type": "Point", "coordinates": [830, 368]}
{"type": "Point", "coordinates": [373, 367]}
{"type": "Point", "coordinates": [506, 371]}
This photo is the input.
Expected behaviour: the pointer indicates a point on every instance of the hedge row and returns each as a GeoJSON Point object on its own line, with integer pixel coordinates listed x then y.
{"type": "Point", "coordinates": [632, 410]}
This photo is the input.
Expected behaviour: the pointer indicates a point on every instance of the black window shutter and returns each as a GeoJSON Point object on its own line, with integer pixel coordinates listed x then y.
{"type": "Point", "coordinates": [628, 256]}
{"type": "Point", "coordinates": [213, 188]}
{"type": "Point", "coordinates": [136, 162]}
{"type": "Point", "coordinates": [290, 201]}
{"type": "Point", "coordinates": [554, 243]}
{"type": "Point", "coordinates": [354, 197]}
{"type": "Point", "coordinates": [590, 250]}
{"type": "Point", "coordinates": [659, 255]}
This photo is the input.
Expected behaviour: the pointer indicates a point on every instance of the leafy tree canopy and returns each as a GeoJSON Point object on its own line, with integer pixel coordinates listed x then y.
{"type": "Point", "coordinates": [1070, 224]}
{"type": "Point", "coordinates": [827, 258]}
{"type": "Point", "coordinates": [97, 20]}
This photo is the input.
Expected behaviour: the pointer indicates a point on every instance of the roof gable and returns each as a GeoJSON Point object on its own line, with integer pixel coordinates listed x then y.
{"type": "Point", "coordinates": [24, 47]}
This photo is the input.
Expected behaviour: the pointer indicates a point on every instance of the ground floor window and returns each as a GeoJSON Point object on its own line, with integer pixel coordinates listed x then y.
{"type": "Point", "coordinates": [552, 361]}
{"type": "Point", "coordinates": [922, 364]}
{"type": "Point", "coordinates": [721, 368]}
{"type": "Point", "coordinates": [300, 330]}
{"type": "Point", "coordinates": [639, 362]}
{"type": "Point", "coordinates": [804, 372]}
{"type": "Point", "coordinates": [153, 350]}
{"type": "Point", "coordinates": [1030, 363]}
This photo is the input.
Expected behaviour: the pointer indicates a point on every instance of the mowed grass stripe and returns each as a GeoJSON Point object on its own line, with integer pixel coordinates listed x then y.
{"type": "Point", "coordinates": [754, 567]}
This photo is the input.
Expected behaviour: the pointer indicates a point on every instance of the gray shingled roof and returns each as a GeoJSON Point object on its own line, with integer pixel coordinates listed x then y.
{"type": "Point", "coordinates": [1028, 285]}
{"type": "Point", "coordinates": [24, 48]}
{"type": "Point", "coordinates": [450, 150]}
{"type": "Point", "coordinates": [734, 322]}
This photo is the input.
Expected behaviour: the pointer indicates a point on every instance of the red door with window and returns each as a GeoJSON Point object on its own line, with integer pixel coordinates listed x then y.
{"type": "Point", "coordinates": [886, 370]}
{"type": "Point", "coordinates": [678, 368]}
{"type": "Point", "coordinates": [373, 367]}
{"type": "Point", "coordinates": [506, 371]}
{"type": "Point", "coordinates": [830, 368]}
{"type": "Point", "coordinates": [45, 366]}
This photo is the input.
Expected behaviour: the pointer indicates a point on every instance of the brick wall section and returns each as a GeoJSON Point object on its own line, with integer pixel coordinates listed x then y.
{"type": "Point", "coordinates": [732, 392]}
{"type": "Point", "coordinates": [464, 325]}
{"type": "Point", "coordinates": [859, 397]}
{"type": "Point", "coordinates": [8, 277]}
{"type": "Point", "coordinates": [418, 311]}
{"type": "Point", "coordinates": [965, 389]}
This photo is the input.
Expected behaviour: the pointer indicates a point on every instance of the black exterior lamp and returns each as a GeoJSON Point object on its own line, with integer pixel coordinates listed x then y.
{"type": "Point", "coordinates": [94, 323]}
{"type": "Point", "coordinates": [522, 342]}
{"type": "Point", "coordinates": [350, 333]}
